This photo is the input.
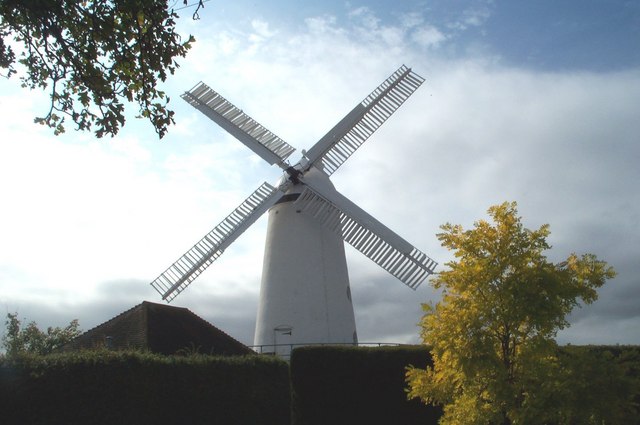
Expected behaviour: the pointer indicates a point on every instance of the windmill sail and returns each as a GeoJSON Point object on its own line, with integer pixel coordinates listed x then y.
{"type": "Point", "coordinates": [367, 235]}
{"type": "Point", "coordinates": [330, 152]}
{"type": "Point", "coordinates": [267, 145]}
{"type": "Point", "coordinates": [181, 273]}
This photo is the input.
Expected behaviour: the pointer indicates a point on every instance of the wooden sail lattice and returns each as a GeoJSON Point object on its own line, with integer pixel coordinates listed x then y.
{"type": "Point", "coordinates": [181, 273]}
{"type": "Point", "coordinates": [389, 251]}
{"type": "Point", "coordinates": [256, 137]}
{"type": "Point", "coordinates": [353, 130]}
{"type": "Point", "coordinates": [332, 209]}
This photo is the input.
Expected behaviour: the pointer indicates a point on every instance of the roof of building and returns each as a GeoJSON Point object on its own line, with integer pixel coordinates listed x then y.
{"type": "Point", "coordinates": [160, 329]}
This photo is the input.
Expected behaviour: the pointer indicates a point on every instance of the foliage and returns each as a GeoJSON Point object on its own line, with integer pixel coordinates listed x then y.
{"type": "Point", "coordinates": [93, 56]}
{"type": "Point", "coordinates": [127, 387]}
{"type": "Point", "coordinates": [598, 385]}
{"type": "Point", "coordinates": [18, 340]}
{"type": "Point", "coordinates": [494, 353]}
{"type": "Point", "coordinates": [356, 385]}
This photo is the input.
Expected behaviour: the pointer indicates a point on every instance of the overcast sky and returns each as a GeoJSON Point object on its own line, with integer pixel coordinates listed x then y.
{"type": "Point", "coordinates": [534, 102]}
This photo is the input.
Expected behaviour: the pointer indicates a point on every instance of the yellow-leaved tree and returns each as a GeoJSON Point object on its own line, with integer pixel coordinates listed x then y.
{"type": "Point", "coordinates": [495, 358]}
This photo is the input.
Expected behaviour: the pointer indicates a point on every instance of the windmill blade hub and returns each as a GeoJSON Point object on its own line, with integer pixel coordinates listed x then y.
{"type": "Point", "coordinates": [293, 185]}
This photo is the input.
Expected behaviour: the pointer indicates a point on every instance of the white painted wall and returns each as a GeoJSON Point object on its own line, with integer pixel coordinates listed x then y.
{"type": "Point", "coordinates": [305, 283]}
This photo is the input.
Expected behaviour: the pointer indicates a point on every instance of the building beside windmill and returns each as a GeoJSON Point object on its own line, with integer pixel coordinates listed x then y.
{"type": "Point", "coordinates": [160, 329]}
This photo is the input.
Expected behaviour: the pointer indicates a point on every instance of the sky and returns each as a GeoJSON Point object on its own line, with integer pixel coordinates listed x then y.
{"type": "Point", "coordinates": [533, 102]}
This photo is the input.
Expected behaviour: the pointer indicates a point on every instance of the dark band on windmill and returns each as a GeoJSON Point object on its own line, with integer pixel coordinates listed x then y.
{"type": "Point", "coordinates": [290, 197]}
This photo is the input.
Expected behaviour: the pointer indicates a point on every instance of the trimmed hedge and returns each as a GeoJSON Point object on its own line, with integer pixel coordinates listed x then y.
{"type": "Point", "coordinates": [132, 387]}
{"type": "Point", "coordinates": [329, 385]}
{"type": "Point", "coordinates": [357, 385]}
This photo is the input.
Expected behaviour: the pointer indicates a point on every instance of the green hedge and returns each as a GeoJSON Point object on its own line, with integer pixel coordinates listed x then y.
{"type": "Point", "coordinates": [329, 385]}
{"type": "Point", "coordinates": [604, 384]}
{"type": "Point", "coordinates": [357, 385]}
{"type": "Point", "coordinates": [137, 388]}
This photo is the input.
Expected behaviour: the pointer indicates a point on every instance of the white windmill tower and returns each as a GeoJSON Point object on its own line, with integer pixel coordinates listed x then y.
{"type": "Point", "coordinates": [305, 295]}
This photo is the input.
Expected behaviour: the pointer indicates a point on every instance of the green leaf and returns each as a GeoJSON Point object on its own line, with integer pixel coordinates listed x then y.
{"type": "Point", "coordinates": [85, 52]}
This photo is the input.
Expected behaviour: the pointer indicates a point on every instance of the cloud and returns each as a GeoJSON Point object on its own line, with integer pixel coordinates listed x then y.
{"type": "Point", "coordinates": [428, 36]}
{"type": "Point", "coordinates": [365, 17]}
{"type": "Point", "coordinates": [261, 31]}
{"type": "Point", "coordinates": [386, 310]}
{"type": "Point", "coordinates": [87, 225]}
{"type": "Point", "coordinates": [474, 16]}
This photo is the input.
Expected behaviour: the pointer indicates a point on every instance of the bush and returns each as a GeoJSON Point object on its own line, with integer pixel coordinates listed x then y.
{"type": "Point", "coordinates": [132, 387]}
{"type": "Point", "coordinates": [357, 385]}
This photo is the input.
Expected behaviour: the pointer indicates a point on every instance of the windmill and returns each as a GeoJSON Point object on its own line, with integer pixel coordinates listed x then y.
{"type": "Point", "coordinates": [305, 295]}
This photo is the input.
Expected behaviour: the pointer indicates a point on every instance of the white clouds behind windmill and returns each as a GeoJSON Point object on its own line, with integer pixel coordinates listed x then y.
{"type": "Point", "coordinates": [106, 220]}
